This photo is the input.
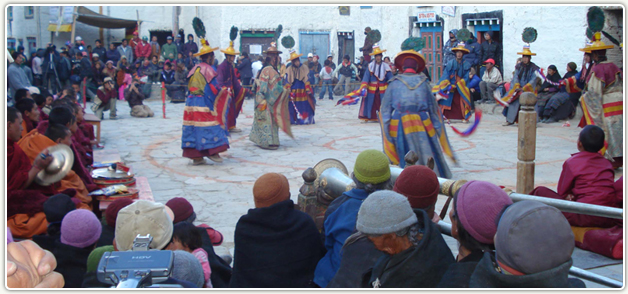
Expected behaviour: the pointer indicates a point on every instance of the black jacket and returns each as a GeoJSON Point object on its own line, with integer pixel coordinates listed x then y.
{"type": "Point", "coordinates": [358, 256]}
{"type": "Point", "coordinates": [101, 51]}
{"type": "Point", "coordinates": [221, 270]}
{"type": "Point", "coordinates": [71, 263]}
{"type": "Point", "coordinates": [46, 242]}
{"type": "Point", "coordinates": [107, 236]}
{"type": "Point", "coordinates": [420, 266]}
{"type": "Point", "coordinates": [86, 68]}
{"type": "Point", "coordinates": [276, 246]}
{"type": "Point", "coordinates": [458, 274]}
{"type": "Point", "coordinates": [490, 50]}
{"type": "Point", "coordinates": [486, 276]}
{"type": "Point", "coordinates": [475, 50]}
{"type": "Point", "coordinates": [244, 68]}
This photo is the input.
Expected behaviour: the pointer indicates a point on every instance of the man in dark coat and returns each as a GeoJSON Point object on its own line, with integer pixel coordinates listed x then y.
{"type": "Point", "coordinates": [190, 46]}
{"type": "Point", "coordinates": [276, 245]}
{"type": "Point", "coordinates": [450, 44]}
{"type": "Point", "coordinates": [100, 49]}
{"type": "Point", "coordinates": [475, 51]}
{"type": "Point", "coordinates": [416, 253]}
{"type": "Point", "coordinates": [490, 49]}
{"type": "Point", "coordinates": [245, 70]}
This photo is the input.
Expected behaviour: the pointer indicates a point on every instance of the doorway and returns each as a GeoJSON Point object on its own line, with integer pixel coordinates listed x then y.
{"type": "Point", "coordinates": [162, 36]}
{"type": "Point", "coordinates": [316, 43]}
{"type": "Point", "coordinates": [346, 46]}
{"type": "Point", "coordinates": [433, 50]}
{"type": "Point", "coordinates": [255, 43]}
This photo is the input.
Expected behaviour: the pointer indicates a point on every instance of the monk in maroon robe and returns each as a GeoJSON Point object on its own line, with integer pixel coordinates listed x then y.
{"type": "Point", "coordinates": [227, 78]}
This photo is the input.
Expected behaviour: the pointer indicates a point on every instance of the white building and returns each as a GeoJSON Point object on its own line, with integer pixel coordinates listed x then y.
{"type": "Point", "coordinates": [337, 30]}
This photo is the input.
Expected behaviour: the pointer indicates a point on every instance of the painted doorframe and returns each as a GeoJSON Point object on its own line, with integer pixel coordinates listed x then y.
{"type": "Point", "coordinates": [265, 34]}
{"type": "Point", "coordinates": [433, 30]}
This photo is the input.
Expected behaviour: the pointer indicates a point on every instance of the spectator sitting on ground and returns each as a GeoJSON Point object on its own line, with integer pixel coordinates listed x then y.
{"type": "Point", "coordinates": [80, 229]}
{"type": "Point", "coordinates": [30, 114]}
{"type": "Point", "coordinates": [221, 270]}
{"type": "Point", "coordinates": [420, 185]}
{"type": "Point", "coordinates": [474, 87]}
{"type": "Point", "coordinates": [134, 97]}
{"type": "Point", "coordinates": [491, 79]}
{"type": "Point", "coordinates": [55, 208]}
{"type": "Point", "coordinates": [416, 253]}
{"type": "Point", "coordinates": [371, 173]}
{"type": "Point", "coordinates": [533, 247]}
{"type": "Point", "coordinates": [276, 245]}
{"type": "Point", "coordinates": [476, 209]}
{"type": "Point", "coordinates": [187, 238]}
{"type": "Point", "coordinates": [109, 227]}
{"type": "Point", "coordinates": [587, 177]}
{"type": "Point", "coordinates": [187, 268]}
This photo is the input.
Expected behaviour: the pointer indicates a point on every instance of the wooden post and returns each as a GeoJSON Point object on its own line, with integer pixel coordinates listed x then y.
{"type": "Point", "coordinates": [307, 197]}
{"type": "Point", "coordinates": [74, 23]}
{"type": "Point", "coordinates": [526, 147]}
{"type": "Point", "coordinates": [137, 12]}
{"type": "Point", "coordinates": [101, 30]}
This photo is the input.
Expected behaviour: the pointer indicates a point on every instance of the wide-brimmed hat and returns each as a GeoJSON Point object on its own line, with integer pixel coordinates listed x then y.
{"type": "Point", "coordinates": [417, 57]}
{"type": "Point", "coordinates": [526, 51]}
{"type": "Point", "coordinates": [293, 55]}
{"type": "Point", "coordinates": [598, 44]}
{"type": "Point", "coordinates": [377, 50]}
{"type": "Point", "coordinates": [230, 50]}
{"type": "Point", "coordinates": [205, 48]}
{"type": "Point", "coordinates": [460, 47]}
{"type": "Point", "coordinates": [107, 80]}
{"type": "Point", "coordinates": [587, 45]}
{"type": "Point", "coordinates": [272, 49]}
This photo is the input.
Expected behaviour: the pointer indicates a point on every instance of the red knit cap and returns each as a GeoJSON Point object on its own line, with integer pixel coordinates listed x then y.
{"type": "Point", "coordinates": [269, 189]}
{"type": "Point", "coordinates": [419, 184]}
{"type": "Point", "coordinates": [181, 207]}
{"type": "Point", "coordinates": [111, 213]}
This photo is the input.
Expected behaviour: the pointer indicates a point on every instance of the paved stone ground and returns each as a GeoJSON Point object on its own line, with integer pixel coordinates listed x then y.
{"type": "Point", "coordinates": [222, 192]}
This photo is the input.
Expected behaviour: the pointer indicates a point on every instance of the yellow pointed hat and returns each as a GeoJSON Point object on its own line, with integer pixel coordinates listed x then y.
{"type": "Point", "coordinates": [205, 48]}
{"type": "Point", "coordinates": [460, 47]}
{"type": "Point", "coordinates": [598, 44]}
{"type": "Point", "coordinates": [230, 50]}
{"type": "Point", "coordinates": [526, 51]}
{"type": "Point", "coordinates": [293, 55]}
{"type": "Point", "coordinates": [377, 50]}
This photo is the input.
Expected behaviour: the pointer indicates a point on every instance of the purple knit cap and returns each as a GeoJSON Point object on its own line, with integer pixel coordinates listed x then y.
{"type": "Point", "coordinates": [80, 228]}
{"type": "Point", "coordinates": [478, 206]}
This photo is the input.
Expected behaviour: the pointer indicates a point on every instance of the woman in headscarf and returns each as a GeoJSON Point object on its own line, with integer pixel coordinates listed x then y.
{"type": "Point", "coordinates": [548, 89]}
{"type": "Point", "coordinates": [557, 107]}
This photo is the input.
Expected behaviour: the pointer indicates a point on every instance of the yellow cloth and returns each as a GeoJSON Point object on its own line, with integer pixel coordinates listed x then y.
{"type": "Point", "coordinates": [579, 232]}
{"type": "Point", "coordinates": [24, 227]}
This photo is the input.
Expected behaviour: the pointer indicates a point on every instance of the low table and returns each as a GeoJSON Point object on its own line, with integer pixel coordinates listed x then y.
{"type": "Point", "coordinates": [94, 121]}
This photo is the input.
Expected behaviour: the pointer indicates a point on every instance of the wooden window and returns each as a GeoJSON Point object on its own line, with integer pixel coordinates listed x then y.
{"type": "Point", "coordinates": [29, 12]}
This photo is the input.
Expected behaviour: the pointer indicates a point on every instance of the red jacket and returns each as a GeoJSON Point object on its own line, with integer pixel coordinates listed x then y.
{"type": "Point", "coordinates": [142, 49]}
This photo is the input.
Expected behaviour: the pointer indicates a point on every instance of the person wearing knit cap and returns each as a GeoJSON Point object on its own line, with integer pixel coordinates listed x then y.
{"type": "Point", "coordinates": [562, 105]}
{"type": "Point", "coordinates": [187, 268]}
{"type": "Point", "coordinates": [80, 230]}
{"type": "Point", "coordinates": [143, 217]}
{"type": "Point", "coordinates": [109, 227]}
{"type": "Point", "coordinates": [476, 209]}
{"type": "Point", "coordinates": [55, 208]}
{"type": "Point", "coordinates": [417, 183]}
{"type": "Point", "coordinates": [408, 98]}
{"type": "Point", "coordinates": [276, 245]}
{"type": "Point", "coordinates": [371, 173]}
{"type": "Point", "coordinates": [416, 253]}
{"type": "Point", "coordinates": [533, 247]}
{"type": "Point", "coordinates": [184, 212]}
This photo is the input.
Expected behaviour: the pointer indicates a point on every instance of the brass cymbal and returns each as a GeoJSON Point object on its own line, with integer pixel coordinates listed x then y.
{"type": "Point", "coordinates": [62, 162]}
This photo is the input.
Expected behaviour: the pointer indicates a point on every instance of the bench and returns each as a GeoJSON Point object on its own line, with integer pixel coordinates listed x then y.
{"type": "Point", "coordinates": [141, 183]}
{"type": "Point", "coordinates": [94, 121]}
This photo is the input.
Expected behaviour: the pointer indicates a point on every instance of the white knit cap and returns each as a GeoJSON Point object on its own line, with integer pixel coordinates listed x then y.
{"type": "Point", "coordinates": [385, 212]}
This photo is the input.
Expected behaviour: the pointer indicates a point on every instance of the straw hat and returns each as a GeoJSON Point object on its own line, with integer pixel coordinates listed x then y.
{"type": "Point", "coordinates": [526, 51]}
{"type": "Point", "coordinates": [205, 48]}
{"type": "Point", "coordinates": [376, 50]}
{"type": "Point", "coordinates": [460, 47]}
{"type": "Point", "coordinates": [293, 55]}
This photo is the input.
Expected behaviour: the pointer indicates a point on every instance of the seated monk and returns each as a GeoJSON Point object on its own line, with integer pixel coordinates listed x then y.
{"type": "Point", "coordinates": [25, 216]}
{"type": "Point", "coordinates": [34, 143]}
{"type": "Point", "coordinates": [587, 177]}
{"type": "Point", "coordinates": [82, 142]}
{"type": "Point", "coordinates": [30, 114]}
{"type": "Point", "coordinates": [63, 114]}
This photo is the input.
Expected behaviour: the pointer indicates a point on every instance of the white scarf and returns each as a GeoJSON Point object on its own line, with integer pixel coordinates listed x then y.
{"type": "Point", "coordinates": [379, 70]}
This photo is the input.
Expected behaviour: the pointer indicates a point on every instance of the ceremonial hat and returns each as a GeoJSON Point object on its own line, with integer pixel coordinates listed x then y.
{"type": "Point", "coordinates": [293, 55]}
{"type": "Point", "coordinates": [598, 44]}
{"type": "Point", "coordinates": [377, 50]}
{"type": "Point", "coordinates": [587, 45]}
{"type": "Point", "coordinates": [410, 48]}
{"type": "Point", "coordinates": [272, 49]}
{"type": "Point", "coordinates": [232, 35]}
{"type": "Point", "coordinates": [205, 48]}
{"type": "Point", "coordinates": [526, 51]}
{"type": "Point", "coordinates": [460, 47]}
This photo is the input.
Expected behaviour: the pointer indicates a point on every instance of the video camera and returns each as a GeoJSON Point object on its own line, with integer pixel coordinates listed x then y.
{"type": "Point", "coordinates": [139, 268]}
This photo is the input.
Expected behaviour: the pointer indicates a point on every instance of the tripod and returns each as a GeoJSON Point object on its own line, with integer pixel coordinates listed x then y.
{"type": "Point", "coordinates": [47, 81]}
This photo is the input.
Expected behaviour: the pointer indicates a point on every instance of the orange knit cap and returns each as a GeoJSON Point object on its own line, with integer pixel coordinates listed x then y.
{"type": "Point", "coordinates": [269, 189]}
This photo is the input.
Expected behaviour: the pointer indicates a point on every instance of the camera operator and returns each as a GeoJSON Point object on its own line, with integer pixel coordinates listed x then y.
{"type": "Point", "coordinates": [141, 218]}
{"type": "Point", "coordinates": [134, 96]}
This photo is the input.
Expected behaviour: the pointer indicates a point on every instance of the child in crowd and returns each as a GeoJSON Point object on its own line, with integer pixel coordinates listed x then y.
{"type": "Point", "coordinates": [325, 75]}
{"type": "Point", "coordinates": [187, 238]}
{"type": "Point", "coordinates": [311, 76]}
{"type": "Point", "coordinates": [587, 177]}
{"type": "Point", "coordinates": [44, 105]}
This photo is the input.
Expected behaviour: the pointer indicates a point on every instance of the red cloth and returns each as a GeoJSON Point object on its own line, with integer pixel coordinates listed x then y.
{"type": "Point", "coordinates": [105, 96]}
{"type": "Point", "coordinates": [42, 114]}
{"type": "Point", "coordinates": [602, 241]}
{"type": "Point", "coordinates": [88, 130]}
{"type": "Point", "coordinates": [18, 166]}
{"type": "Point", "coordinates": [456, 108]}
{"type": "Point", "coordinates": [607, 72]}
{"type": "Point", "coordinates": [193, 153]}
{"type": "Point", "coordinates": [619, 191]}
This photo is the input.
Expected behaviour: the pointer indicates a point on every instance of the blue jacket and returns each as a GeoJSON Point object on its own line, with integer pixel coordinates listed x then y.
{"type": "Point", "coordinates": [339, 225]}
{"type": "Point", "coordinates": [474, 83]}
{"type": "Point", "coordinates": [475, 52]}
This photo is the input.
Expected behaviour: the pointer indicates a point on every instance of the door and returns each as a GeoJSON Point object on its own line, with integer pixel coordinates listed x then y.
{"type": "Point", "coordinates": [316, 43]}
{"type": "Point", "coordinates": [162, 37]}
{"type": "Point", "coordinates": [255, 44]}
{"type": "Point", "coordinates": [346, 46]}
{"type": "Point", "coordinates": [433, 52]}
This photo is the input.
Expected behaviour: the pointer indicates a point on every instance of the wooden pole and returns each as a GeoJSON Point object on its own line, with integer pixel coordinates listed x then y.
{"type": "Point", "coordinates": [138, 22]}
{"type": "Point", "coordinates": [163, 98]}
{"type": "Point", "coordinates": [74, 23]}
{"type": "Point", "coordinates": [101, 30]}
{"type": "Point", "coordinates": [526, 147]}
